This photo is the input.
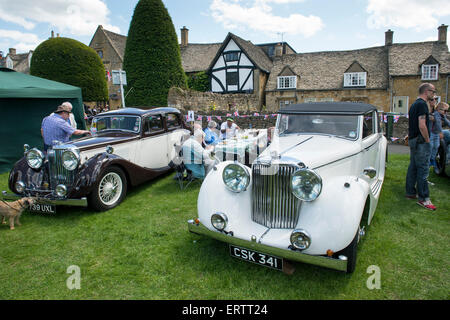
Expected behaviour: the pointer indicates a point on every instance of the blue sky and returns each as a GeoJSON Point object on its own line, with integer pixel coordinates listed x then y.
{"type": "Point", "coordinates": [307, 25]}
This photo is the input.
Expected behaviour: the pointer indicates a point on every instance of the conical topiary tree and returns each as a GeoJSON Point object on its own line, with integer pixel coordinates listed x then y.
{"type": "Point", "coordinates": [152, 57]}
{"type": "Point", "coordinates": [70, 61]}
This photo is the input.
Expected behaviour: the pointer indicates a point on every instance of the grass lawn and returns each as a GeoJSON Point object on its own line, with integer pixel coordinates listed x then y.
{"type": "Point", "coordinates": [142, 250]}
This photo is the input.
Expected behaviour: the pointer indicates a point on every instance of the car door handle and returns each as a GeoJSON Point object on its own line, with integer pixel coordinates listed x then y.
{"type": "Point", "coordinates": [370, 172]}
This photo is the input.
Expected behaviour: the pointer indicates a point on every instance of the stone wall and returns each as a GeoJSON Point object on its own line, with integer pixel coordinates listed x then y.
{"type": "Point", "coordinates": [206, 102]}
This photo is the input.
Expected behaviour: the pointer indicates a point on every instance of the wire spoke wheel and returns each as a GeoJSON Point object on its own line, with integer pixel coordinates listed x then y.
{"type": "Point", "coordinates": [110, 188]}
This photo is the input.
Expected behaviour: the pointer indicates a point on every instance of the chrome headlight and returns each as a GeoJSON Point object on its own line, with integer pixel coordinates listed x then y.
{"type": "Point", "coordinates": [70, 159]}
{"type": "Point", "coordinates": [306, 185]}
{"type": "Point", "coordinates": [219, 221]}
{"type": "Point", "coordinates": [236, 177]}
{"type": "Point", "coordinates": [20, 186]}
{"type": "Point", "coordinates": [300, 239]}
{"type": "Point", "coordinates": [35, 158]}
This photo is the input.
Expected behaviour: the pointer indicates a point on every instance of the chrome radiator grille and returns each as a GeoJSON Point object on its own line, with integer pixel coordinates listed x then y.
{"type": "Point", "coordinates": [273, 204]}
{"type": "Point", "coordinates": [59, 174]}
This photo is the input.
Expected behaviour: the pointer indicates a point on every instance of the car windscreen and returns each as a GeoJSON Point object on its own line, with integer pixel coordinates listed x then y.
{"type": "Point", "coordinates": [117, 122]}
{"type": "Point", "coordinates": [344, 126]}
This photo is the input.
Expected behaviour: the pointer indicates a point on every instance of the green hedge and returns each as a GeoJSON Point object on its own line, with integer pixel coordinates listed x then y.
{"type": "Point", "coordinates": [152, 57]}
{"type": "Point", "coordinates": [69, 61]}
{"type": "Point", "coordinates": [199, 81]}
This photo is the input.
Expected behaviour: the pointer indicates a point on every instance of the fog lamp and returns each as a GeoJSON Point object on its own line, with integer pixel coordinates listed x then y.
{"type": "Point", "coordinates": [300, 239]}
{"type": "Point", "coordinates": [219, 221]}
{"type": "Point", "coordinates": [61, 190]}
{"type": "Point", "coordinates": [20, 186]}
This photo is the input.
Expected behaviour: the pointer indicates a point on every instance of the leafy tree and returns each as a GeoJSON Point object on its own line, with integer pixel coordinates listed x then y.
{"type": "Point", "coordinates": [199, 81]}
{"type": "Point", "coordinates": [152, 57]}
{"type": "Point", "coordinates": [70, 61]}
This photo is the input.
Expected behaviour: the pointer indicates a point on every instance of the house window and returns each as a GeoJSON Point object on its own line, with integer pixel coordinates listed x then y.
{"type": "Point", "coordinates": [232, 78]}
{"type": "Point", "coordinates": [231, 56]}
{"type": "Point", "coordinates": [355, 79]}
{"type": "Point", "coordinates": [326, 99]}
{"type": "Point", "coordinates": [285, 102]}
{"type": "Point", "coordinates": [100, 54]}
{"type": "Point", "coordinates": [289, 82]}
{"type": "Point", "coordinates": [307, 100]}
{"type": "Point", "coordinates": [430, 71]}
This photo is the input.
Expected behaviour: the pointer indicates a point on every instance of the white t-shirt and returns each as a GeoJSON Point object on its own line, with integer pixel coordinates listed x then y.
{"type": "Point", "coordinates": [230, 132]}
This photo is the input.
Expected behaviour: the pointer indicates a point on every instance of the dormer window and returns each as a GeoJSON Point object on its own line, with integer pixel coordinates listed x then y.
{"type": "Point", "coordinates": [287, 82]}
{"type": "Point", "coordinates": [430, 71]}
{"type": "Point", "coordinates": [231, 56]}
{"type": "Point", "coordinates": [355, 79]}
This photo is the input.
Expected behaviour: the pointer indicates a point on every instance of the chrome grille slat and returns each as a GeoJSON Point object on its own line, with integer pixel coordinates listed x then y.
{"type": "Point", "coordinates": [59, 174]}
{"type": "Point", "coordinates": [273, 204]}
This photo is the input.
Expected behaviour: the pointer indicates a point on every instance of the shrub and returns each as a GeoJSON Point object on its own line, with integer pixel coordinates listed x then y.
{"type": "Point", "coordinates": [152, 57]}
{"type": "Point", "coordinates": [199, 81]}
{"type": "Point", "coordinates": [72, 62]}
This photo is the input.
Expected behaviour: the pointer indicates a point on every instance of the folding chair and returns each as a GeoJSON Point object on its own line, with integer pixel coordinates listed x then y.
{"type": "Point", "coordinates": [187, 173]}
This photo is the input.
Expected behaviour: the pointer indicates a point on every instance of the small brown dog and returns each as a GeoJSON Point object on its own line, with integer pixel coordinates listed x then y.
{"type": "Point", "coordinates": [13, 210]}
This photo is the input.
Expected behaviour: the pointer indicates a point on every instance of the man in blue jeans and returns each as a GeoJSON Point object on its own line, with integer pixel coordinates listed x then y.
{"type": "Point", "coordinates": [420, 149]}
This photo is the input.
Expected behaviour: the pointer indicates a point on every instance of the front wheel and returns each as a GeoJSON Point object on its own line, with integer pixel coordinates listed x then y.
{"type": "Point", "coordinates": [109, 190]}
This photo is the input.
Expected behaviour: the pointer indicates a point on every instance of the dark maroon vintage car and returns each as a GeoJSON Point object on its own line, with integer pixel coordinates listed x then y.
{"type": "Point", "coordinates": [127, 147]}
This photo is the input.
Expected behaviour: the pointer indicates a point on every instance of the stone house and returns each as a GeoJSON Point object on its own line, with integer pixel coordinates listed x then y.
{"type": "Point", "coordinates": [110, 47]}
{"type": "Point", "coordinates": [386, 76]}
{"type": "Point", "coordinates": [16, 61]}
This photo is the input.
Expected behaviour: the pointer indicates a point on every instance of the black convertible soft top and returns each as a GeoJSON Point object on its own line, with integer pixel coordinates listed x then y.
{"type": "Point", "coordinates": [343, 108]}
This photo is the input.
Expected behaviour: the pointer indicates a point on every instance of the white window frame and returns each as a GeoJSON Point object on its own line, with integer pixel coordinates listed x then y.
{"type": "Point", "coordinates": [326, 99]}
{"type": "Point", "coordinates": [308, 100]}
{"type": "Point", "coordinates": [283, 103]}
{"type": "Point", "coordinates": [287, 82]}
{"type": "Point", "coordinates": [355, 79]}
{"type": "Point", "coordinates": [428, 73]}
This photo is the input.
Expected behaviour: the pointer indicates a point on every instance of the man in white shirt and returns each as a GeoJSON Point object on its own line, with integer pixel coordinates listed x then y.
{"type": "Point", "coordinates": [228, 129]}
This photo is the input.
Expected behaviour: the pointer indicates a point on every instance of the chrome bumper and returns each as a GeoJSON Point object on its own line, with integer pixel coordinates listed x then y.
{"type": "Point", "coordinates": [288, 254]}
{"type": "Point", "coordinates": [57, 202]}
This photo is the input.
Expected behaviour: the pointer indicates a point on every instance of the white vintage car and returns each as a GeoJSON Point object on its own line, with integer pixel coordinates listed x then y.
{"type": "Point", "coordinates": [308, 197]}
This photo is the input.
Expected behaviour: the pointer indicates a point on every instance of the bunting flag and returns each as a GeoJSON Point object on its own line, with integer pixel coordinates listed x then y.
{"type": "Point", "coordinates": [266, 116]}
{"type": "Point", "coordinates": [228, 114]}
{"type": "Point", "coordinates": [236, 114]}
{"type": "Point", "coordinates": [256, 114]}
{"type": "Point", "coordinates": [219, 118]}
{"type": "Point", "coordinates": [199, 118]}
{"type": "Point", "coordinates": [209, 118]}
{"type": "Point", "coordinates": [396, 119]}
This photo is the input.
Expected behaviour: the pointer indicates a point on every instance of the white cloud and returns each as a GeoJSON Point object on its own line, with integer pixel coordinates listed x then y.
{"type": "Point", "coordinates": [417, 14]}
{"type": "Point", "coordinates": [68, 17]}
{"type": "Point", "coordinates": [23, 42]}
{"type": "Point", "coordinates": [257, 15]}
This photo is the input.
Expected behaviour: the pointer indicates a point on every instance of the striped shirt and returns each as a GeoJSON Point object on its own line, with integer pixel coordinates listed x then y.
{"type": "Point", "coordinates": [55, 128]}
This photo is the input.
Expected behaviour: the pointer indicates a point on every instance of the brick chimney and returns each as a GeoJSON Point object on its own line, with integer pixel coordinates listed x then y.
{"type": "Point", "coordinates": [12, 51]}
{"type": "Point", "coordinates": [52, 34]}
{"type": "Point", "coordinates": [388, 37]}
{"type": "Point", "coordinates": [278, 49]}
{"type": "Point", "coordinates": [442, 33]}
{"type": "Point", "coordinates": [184, 36]}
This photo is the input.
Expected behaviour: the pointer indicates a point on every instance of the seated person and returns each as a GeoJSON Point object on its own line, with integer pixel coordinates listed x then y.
{"type": "Point", "coordinates": [211, 136]}
{"type": "Point", "coordinates": [195, 157]}
{"type": "Point", "coordinates": [228, 129]}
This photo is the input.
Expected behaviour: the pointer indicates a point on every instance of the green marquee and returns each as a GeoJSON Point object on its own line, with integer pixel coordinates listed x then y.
{"type": "Point", "coordinates": [24, 101]}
